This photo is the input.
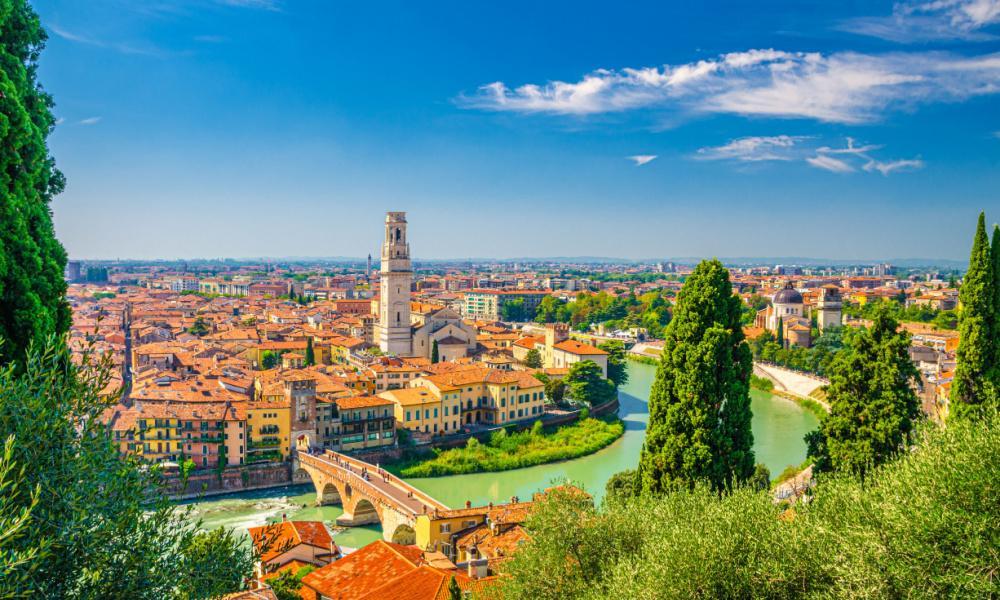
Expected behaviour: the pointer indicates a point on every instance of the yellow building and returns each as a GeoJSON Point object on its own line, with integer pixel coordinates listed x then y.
{"type": "Point", "coordinates": [425, 410]}
{"type": "Point", "coordinates": [365, 422]}
{"type": "Point", "coordinates": [435, 531]}
{"type": "Point", "coordinates": [489, 396]}
{"type": "Point", "coordinates": [269, 426]}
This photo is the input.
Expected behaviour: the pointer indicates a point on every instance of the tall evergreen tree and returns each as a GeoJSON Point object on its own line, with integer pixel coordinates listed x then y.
{"type": "Point", "coordinates": [435, 352]}
{"type": "Point", "coordinates": [617, 362]}
{"type": "Point", "coordinates": [32, 261]}
{"type": "Point", "coordinates": [310, 352]}
{"type": "Point", "coordinates": [976, 353]}
{"type": "Point", "coordinates": [873, 406]}
{"type": "Point", "coordinates": [699, 406]}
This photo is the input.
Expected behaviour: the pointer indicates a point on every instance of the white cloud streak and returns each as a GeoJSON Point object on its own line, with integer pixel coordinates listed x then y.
{"type": "Point", "coordinates": [924, 21]}
{"type": "Point", "coordinates": [829, 163]}
{"type": "Point", "coordinates": [754, 148]}
{"type": "Point", "coordinates": [845, 159]}
{"type": "Point", "coordinates": [844, 87]}
{"type": "Point", "coordinates": [642, 159]}
{"type": "Point", "coordinates": [885, 168]}
{"type": "Point", "coordinates": [90, 121]}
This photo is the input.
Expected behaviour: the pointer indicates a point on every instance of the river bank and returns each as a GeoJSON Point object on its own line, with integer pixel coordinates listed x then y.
{"type": "Point", "coordinates": [778, 427]}
{"type": "Point", "coordinates": [505, 451]}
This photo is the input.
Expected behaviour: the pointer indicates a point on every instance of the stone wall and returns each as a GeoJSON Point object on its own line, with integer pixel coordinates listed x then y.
{"type": "Point", "coordinates": [232, 479]}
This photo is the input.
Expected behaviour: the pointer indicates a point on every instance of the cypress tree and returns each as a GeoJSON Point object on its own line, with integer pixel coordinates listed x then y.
{"type": "Point", "coordinates": [873, 406]}
{"type": "Point", "coordinates": [976, 355]}
{"type": "Point", "coordinates": [32, 261]}
{"type": "Point", "coordinates": [310, 353]}
{"type": "Point", "coordinates": [699, 406]}
{"type": "Point", "coordinates": [781, 331]}
{"type": "Point", "coordinates": [435, 356]}
{"type": "Point", "coordinates": [995, 371]}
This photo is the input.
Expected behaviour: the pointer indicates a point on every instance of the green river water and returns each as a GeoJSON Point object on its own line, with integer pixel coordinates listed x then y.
{"type": "Point", "coordinates": [778, 427]}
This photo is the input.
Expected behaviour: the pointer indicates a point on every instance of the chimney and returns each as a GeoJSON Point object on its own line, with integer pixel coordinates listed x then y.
{"type": "Point", "coordinates": [478, 568]}
{"type": "Point", "coordinates": [284, 517]}
{"type": "Point", "coordinates": [468, 504]}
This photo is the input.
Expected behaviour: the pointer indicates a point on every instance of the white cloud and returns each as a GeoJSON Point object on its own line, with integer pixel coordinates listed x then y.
{"type": "Point", "coordinates": [90, 121]}
{"type": "Point", "coordinates": [893, 165]}
{"type": "Point", "coordinates": [846, 159]}
{"type": "Point", "coordinates": [829, 163]}
{"type": "Point", "coordinates": [850, 149]}
{"type": "Point", "coordinates": [641, 159]}
{"type": "Point", "coordinates": [925, 20]}
{"type": "Point", "coordinates": [60, 121]}
{"type": "Point", "coordinates": [754, 148]}
{"type": "Point", "coordinates": [844, 87]}
{"type": "Point", "coordinates": [272, 5]}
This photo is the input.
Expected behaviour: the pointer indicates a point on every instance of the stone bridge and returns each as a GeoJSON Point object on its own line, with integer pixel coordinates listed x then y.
{"type": "Point", "coordinates": [376, 498]}
{"type": "Point", "coordinates": [793, 382]}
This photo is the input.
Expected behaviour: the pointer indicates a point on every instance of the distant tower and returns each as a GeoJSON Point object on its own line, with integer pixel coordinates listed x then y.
{"type": "Point", "coordinates": [368, 271]}
{"type": "Point", "coordinates": [829, 308]}
{"type": "Point", "coordinates": [393, 332]}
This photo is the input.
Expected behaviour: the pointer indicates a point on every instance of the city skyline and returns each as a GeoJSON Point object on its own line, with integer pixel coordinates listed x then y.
{"type": "Point", "coordinates": [784, 130]}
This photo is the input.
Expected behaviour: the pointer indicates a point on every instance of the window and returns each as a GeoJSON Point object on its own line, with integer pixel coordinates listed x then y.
{"type": "Point", "coordinates": [435, 413]}
{"type": "Point", "coordinates": [445, 528]}
{"type": "Point", "coordinates": [372, 436]}
{"type": "Point", "coordinates": [407, 415]}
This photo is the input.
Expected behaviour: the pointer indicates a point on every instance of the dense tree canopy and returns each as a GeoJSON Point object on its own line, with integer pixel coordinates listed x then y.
{"type": "Point", "coordinates": [587, 385]}
{"type": "Point", "coordinates": [977, 349]}
{"type": "Point", "coordinates": [32, 261]}
{"type": "Point", "coordinates": [873, 408]}
{"type": "Point", "coordinates": [650, 311]}
{"type": "Point", "coordinates": [699, 406]}
{"type": "Point", "coordinates": [617, 361]}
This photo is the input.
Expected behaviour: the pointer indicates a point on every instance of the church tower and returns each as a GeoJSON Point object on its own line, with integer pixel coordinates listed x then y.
{"type": "Point", "coordinates": [393, 332]}
{"type": "Point", "coordinates": [829, 307]}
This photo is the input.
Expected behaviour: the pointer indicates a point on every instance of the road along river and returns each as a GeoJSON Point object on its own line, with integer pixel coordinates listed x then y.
{"type": "Point", "coordinates": [778, 427]}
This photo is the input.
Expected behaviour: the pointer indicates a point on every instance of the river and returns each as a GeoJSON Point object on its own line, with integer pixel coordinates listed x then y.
{"type": "Point", "coordinates": [778, 427]}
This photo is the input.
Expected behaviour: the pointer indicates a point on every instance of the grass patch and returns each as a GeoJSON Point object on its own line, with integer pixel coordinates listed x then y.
{"type": "Point", "coordinates": [505, 451]}
{"type": "Point", "coordinates": [648, 360]}
{"type": "Point", "coordinates": [761, 383]}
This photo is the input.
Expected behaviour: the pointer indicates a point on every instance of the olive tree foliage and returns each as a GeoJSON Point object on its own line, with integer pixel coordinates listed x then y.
{"type": "Point", "coordinates": [104, 528]}
{"type": "Point", "coordinates": [923, 525]}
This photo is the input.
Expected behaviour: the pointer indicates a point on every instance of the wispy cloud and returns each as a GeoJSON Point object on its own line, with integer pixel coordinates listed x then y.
{"type": "Point", "coordinates": [844, 87]}
{"type": "Point", "coordinates": [143, 48]}
{"type": "Point", "coordinates": [754, 148]}
{"type": "Point", "coordinates": [90, 121]}
{"type": "Point", "coordinates": [925, 20]}
{"type": "Point", "coordinates": [641, 159]}
{"type": "Point", "coordinates": [845, 159]}
{"type": "Point", "coordinates": [894, 165]}
{"type": "Point", "coordinates": [829, 163]}
{"type": "Point", "coordinates": [211, 39]}
{"type": "Point", "coordinates": [272, 5]}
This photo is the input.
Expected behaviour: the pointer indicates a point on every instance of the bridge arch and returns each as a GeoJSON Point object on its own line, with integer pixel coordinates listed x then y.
{"type": "Point", "coordinates": [329, 494]}
{"type": "Point", "coordinates": [404, 534]}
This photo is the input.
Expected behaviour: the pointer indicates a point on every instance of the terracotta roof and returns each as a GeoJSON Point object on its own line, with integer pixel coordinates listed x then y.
{"type": "Point", "coordinates": [360, 572]}
{"type": "Point", "coordinates": [575, 347]}
{"type": "Point", "coordinates": [361, 402]}
{"type": "Point", "coordinates": [282, 537]}
{"type": "Point", "coordinates": [410, 396]}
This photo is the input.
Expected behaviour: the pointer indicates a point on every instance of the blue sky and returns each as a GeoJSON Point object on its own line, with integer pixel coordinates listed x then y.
{"type": "Point", "coordinates": [207, 128]}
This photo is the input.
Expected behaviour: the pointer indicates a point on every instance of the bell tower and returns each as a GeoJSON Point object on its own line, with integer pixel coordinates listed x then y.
{"type": "Point", "coordinates": [393, 332]}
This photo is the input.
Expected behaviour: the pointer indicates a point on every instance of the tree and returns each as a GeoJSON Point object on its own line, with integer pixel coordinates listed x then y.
{"type": "Point", "coordinates": [514, 311]}
{"type": "Point", "coordinates": [873, 408]}
{"type": "Point", "coordinates": [16, 564]}
{"type": "Point", "coordinates": [286, 585]}
{"type": "Point", "coordinates": [32, 261]}
{"type": "Point", "coordinates": [617, 362]}
{"type": "Point", "coordinates": [761, 478]}
{"type": "Point", "coordinates": [198, 328]}
{"type": "Point", "coordinates": [269, 359]}
{"type": "Point", "coordinates": [586, 384]}
{"type": "Point", "coordinates": [699, 405]}
{"type": "Point", "coordinates": [781, 332]}
{"type": "Point", "coordinates": [533, 359]}
{"type": "Point", "coordinates": [435, 355]}
{"type": "Point", "coordinates": [310, 352]}
{"type": "Point", "coordinates": [454, 592]}
{"type": "Point", "coordinates": [107, 511]}
{"type": "Point", "coordinates": [230, 563]}
{"type": "Point", "coordinates": [977, 335]}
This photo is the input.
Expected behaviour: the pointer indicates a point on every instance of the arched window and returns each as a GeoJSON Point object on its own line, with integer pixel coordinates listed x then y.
{"type": "Point", "coordinates": [399, 233]}
{"type": "Point", "coordinates": [397, 317]}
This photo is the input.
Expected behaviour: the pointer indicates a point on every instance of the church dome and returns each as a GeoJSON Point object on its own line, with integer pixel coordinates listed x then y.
{"type": "Point", "coordinates": [789, 295]}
